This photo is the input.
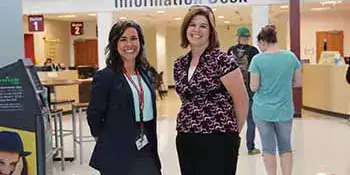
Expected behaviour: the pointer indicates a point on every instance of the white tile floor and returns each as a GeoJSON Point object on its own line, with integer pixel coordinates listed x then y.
{"type": "Point", "coordinates": [321, 145]}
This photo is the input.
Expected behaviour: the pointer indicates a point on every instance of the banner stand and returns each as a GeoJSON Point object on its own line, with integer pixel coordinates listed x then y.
{"type": "Point", "coordinates": [24, 120]}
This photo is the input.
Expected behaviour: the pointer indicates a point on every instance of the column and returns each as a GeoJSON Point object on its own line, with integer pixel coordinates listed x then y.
{"type": "Point", "coordinates": [260, 18]}
{"type": "Point", "coordinates": [161, 53]}
{"type": "Point", "coordinates": [294, 18]}
{"type": "Point", "coordinates": [12, 37]}
{"type": "Point", "coordinates": [282, 32]}
{"type": "Point", "coordinates": [104, 24]}
{"type": "Point", "coordinates": [71, 51]}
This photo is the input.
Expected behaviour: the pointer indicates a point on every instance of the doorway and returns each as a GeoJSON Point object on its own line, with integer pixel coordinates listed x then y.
{"type": "Point", "coordinates": [29, 47]}
{"type": "Point", "coordinates": [85, 52]}
{"type": "Point", "coordinates": [329, 40]}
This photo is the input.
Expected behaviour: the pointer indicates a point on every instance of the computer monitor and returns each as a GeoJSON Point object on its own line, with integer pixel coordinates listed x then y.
{"type": "Point", "coordinates": [44, 68]}
{"type": "Point", "coordinates": [86, 71]}
{"type": "Point", "coordinates": [347, 60]}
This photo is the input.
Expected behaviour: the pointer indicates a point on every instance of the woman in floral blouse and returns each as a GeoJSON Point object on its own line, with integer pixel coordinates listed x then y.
{"type": "Point", "coordinates": [214, 99]}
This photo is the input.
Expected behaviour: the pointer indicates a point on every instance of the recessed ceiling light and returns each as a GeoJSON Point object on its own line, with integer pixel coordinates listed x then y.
{"type": "Point", "coordinates": [67, 16]}
{"type": "Point", "coordinates": [330, 2]}
{"type": "Point", "coordinates": [214, 9]}
{"type": "Point", "coordinates": [92, 14]}
{"type": "Point", "coordinates": [122, 18]}
{"type": "Point", "coordinates": [35, 12]}
{"type": "Point", "coordinates": [177, 18]}
{"type": "Point", "coordinates": [160, 11]}
{"type": "Point", "coordinates": [284, 6]}
{"type": "Point", "coordinates": [320, 8]}
{"type": "Point", "coordinates": [221, 17]}
{"type": "Point", "coordinates": [227, 22]}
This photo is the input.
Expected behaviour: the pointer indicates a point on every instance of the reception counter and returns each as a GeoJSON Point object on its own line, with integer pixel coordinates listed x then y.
{"type": "Point", "coordinates": [70, 91]}
{"type": "Point", "coordinates": [325, 89]}
{"type": "Point", "coordinates": [67, 86]}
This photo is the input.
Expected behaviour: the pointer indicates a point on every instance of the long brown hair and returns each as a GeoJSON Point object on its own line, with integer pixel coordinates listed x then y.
{"type": "Point", "coordinates": [114, 59]}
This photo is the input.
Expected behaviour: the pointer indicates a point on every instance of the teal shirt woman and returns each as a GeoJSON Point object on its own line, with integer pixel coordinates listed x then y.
{"type": "Point", "coordinates": [273, 100]}
{"type": "Point", "coordinates": [273, 75]}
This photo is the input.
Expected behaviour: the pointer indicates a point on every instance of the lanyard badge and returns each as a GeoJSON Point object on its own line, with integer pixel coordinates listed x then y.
{"type": "Point", "coordinates": [142, 139]}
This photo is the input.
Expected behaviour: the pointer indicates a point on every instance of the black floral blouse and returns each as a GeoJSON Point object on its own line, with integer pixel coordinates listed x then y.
{"type": "Point", "coordinates": [206, 107]}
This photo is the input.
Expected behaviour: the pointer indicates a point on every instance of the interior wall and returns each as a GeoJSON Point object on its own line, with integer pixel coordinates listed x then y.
{"type": "Point", "coordinates": [173, 51]}
{"type": "Point", "coordinates": [59, 30]}
{"type": "Point", "coordinates": [310, 23]}
{"type": "Point", "coordinates": [321, 21]}
{"type": "Point", "coordinates": [53, 29]}
{"type": "Point", "coordinates": [281, 28]}
{"type": "Point", "coordinates": [150, 45]}
{"type": "Point", "coordinates": [89, 33]}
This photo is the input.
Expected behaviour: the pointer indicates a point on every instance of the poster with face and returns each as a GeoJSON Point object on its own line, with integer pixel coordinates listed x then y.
{"type": "Point", "coordinates": [16, 158]}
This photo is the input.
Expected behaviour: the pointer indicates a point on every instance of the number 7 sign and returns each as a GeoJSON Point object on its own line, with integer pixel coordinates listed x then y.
{"type": "Point", "coordinates": [77, 28]}
{"type": "Point", "coordinates": [36, 23]}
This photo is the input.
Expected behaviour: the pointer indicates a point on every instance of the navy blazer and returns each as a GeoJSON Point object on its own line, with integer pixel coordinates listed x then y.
{"type": "Point", "coordinates": [111, 117]}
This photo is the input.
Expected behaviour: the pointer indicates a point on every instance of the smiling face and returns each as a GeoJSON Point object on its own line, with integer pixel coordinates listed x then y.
{"type": "Point", "coordinates": [198, 31]}
{"type": "Point", "coordinates": [8, 162]}
{"type": "Point", "coordinates": [129, 45]}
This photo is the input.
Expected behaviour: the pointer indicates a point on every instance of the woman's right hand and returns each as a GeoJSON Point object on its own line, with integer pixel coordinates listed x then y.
{"type": "Point", "coordinates": [19, 167]}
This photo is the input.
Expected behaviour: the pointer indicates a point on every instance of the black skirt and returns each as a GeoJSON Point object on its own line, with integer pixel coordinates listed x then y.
{"type": "Point", "coordinates": [208, 154]}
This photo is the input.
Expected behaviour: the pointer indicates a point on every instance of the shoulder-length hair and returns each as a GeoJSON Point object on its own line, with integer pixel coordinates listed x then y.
{"type": "Point", "coordinates": [114, 59]}
{"type": "Point", "coordinates": [206, 12]}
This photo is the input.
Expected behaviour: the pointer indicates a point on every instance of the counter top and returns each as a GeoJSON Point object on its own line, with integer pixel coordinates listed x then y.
{"type": "Point", "coordinates": [325, 88]}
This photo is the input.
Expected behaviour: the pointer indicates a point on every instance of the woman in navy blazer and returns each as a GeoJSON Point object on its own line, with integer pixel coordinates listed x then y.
{"type": "Point", "coordinates": [126, 139]}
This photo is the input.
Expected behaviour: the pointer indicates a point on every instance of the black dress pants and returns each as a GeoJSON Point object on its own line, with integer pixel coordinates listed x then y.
{"type": "Point", "coordinates": [144, 164]}
{"type": "Point", "coordinates": [208, 154]}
